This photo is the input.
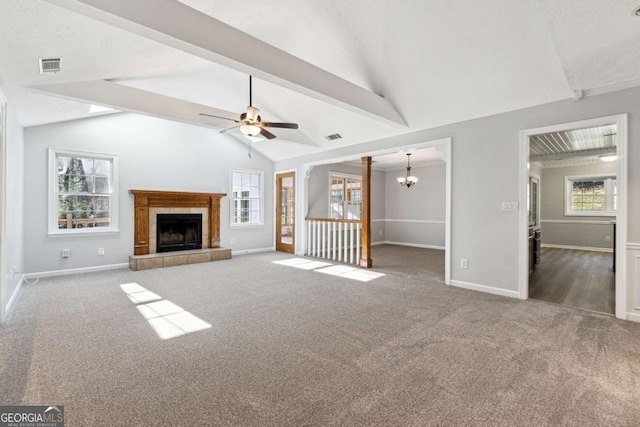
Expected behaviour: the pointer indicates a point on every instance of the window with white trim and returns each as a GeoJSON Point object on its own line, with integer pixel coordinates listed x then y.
{"type": "Point", "coordinates": [345, 196]}
{"type": "Point", "coordinates": [246, 197]}
{"type": "Point", "coordinates": [82, 192]}
{"type": "Point", "coordinates": [590, 195]}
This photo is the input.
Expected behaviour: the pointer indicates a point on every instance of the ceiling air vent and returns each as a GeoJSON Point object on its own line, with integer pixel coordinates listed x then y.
{"type": "Point", "coordinates": [333, 137]}
{"type": "Point", "coordinates": [50, 65]}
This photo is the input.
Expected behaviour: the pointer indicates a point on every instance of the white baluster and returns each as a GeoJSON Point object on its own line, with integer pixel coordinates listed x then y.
{"type": "Point", "coordinates": [357, 242]}
{"type": "Point", "coordinates": [351, 243]}
{"type": "Point", "coordinates": [339, 241]}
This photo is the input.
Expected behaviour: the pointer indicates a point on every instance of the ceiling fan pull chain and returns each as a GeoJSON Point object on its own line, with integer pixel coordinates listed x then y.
{"type": "Point", "coordinates": [249, 149]}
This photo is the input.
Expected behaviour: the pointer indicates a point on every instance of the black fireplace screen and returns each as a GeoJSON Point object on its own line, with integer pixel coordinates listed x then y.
{"type": "Point", "coordinates": [178, 232]}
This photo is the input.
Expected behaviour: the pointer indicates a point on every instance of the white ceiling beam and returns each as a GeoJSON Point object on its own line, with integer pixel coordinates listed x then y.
{"type": "Point", "coordinates": [125, 98]}
{"type": "Point", "coordinates": [174, 24]}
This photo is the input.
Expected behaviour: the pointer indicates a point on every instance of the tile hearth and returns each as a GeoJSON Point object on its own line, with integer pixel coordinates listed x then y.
{"type": "Point", "coordinates": [170, 259]}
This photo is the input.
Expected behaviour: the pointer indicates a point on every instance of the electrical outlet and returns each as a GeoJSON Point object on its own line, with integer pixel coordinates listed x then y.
{"type": "Point", "coordinates": [464, 263]}
{"type": "Point", "coordinates": [607, 239]}
{"type": "Point", "coordinates": [232, 241]}
{"type": "Point", "coordinates": [380, 232]}
{"type": "Point", "coordinates": [65, 253]}
{"type": "Point", "coordinates": [100, 251]}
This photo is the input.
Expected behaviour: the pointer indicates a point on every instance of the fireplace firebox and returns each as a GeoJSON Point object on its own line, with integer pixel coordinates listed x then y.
{"type": "Point", "coordinates": [178, 232]}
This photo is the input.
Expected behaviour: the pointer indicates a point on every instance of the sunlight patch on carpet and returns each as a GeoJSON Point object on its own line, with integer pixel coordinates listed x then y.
{"type": "Point", "coordinates": [348, 272]}
{"type": "Point", "coordinates": [305, 264]}
{"type": "Point", "coordinates": [351, 273]}
{"type": "Point", "coordinates": [166, 318]}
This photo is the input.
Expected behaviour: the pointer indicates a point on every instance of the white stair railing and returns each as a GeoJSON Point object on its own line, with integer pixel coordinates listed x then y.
{"type": "Point", "coordinates": [334, 239]}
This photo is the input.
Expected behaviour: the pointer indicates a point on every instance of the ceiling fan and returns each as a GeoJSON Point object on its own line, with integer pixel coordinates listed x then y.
{"type": "Point", "coordinates": [251, 124]}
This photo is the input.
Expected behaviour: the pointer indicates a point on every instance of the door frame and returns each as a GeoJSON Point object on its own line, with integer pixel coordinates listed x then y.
{"type": "Point", "coordinates": [3, 208]}
{"type": "Point", "coordinates": [444, 145]}
{"type": "Point", "coordinates": [296, 208]}
{"type": "Point", "coordinates": [620, 120]}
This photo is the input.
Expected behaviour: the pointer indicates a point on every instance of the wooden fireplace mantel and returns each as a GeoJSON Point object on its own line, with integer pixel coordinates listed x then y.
{"type": "Point", "coordinates": [145, 199]}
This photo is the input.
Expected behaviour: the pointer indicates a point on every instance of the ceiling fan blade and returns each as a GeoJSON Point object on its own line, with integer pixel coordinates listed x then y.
{"type": "Point", "coordinates": [218, 117]}
{"type": "Point", "coordinates": [235, 127]}
{"type": "Point", "coordinates": [266, 134]}
{"type": "Point", "coordinates": [280, 125]}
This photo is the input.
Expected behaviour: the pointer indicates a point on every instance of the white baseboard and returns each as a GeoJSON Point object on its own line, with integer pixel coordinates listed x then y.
{"type": "Point", "coordinates": [634, 317]}
{"type": "Point", "coordinates": [413, 245]}
{"type": "Point", "coordinates": [486, 289]}
{"type": "Point", "coordinates": [252, 251]}
{"type": "Point", "coordinates": [12, 298]}
{"type": "Point", "coordinates": [578, 248]}
{"type": "Point", "coordinates": [75, 271]}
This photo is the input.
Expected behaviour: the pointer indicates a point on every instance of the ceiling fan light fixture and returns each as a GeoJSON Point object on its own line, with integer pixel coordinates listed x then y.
{"type": "Point", "coordinates": [252, 114]}
{"type": "Point", "coordinates": [250, 130]}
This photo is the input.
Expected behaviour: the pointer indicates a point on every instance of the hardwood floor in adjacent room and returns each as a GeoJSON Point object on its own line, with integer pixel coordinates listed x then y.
{"type": "Point", "coordinates": [574, 278]}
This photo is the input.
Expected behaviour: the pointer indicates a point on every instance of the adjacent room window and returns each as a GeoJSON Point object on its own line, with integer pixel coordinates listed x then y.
{"type": "Point", "coordinates": [83, 192]}
{"type": "Point", "coordinates": [590, 195]}
{"type": "Point", "coordinates": [345, 196]}
{"type": "Point", "coordinates": [247, 197]}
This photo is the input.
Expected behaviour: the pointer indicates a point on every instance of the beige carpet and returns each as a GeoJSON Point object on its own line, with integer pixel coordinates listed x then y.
{"type": "Point", "coordinates": [293, 347]}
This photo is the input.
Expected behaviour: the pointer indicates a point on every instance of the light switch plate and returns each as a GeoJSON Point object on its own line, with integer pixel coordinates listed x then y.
{"type": "Point", "coordinates": [509, 206]}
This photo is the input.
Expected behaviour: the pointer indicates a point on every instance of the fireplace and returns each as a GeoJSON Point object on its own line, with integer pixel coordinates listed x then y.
{"type": "Point", "coordinates": [178, 232]}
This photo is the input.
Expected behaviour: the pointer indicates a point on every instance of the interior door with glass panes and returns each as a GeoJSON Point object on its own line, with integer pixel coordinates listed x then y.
{"type": "Point", "coordinates": [285, 212]}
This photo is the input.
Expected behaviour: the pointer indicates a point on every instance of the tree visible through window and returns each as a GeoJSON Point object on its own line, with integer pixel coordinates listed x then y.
{"type": "Point", "coordinates": [591, 195]}
{"type": "Point", "coordinates": [83, 193]}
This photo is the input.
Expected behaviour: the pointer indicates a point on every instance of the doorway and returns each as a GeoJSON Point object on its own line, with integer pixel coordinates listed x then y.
{"type": "Point", "coordinates": [285, 212]}
{"type": "Point", "coordinates": [583, 200]}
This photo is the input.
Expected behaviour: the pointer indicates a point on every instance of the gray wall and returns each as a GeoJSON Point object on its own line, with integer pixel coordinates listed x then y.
{"type": "Point", "coordinates": [558, 229]}
{"type": "Point", "coordinates": [416, 215]}
{"type": "Point", "coordinates": [154, 154]}
{"type": "Point", "coordinates": [485, 172]}
{"type": "Point", "coordinates": [14, 261]}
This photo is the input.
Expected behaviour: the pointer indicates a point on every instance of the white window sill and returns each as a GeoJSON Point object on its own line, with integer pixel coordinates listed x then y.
{"type": "Point", "coordinates": [607, 213]}
{"type": "Point", "coordinates": [240, 226]}
{"type": "Point", "coordinates": [84, 233]}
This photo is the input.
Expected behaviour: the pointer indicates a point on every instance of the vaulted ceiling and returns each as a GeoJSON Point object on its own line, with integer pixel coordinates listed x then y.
{"type": "Point", "coordinates": [365, 69]}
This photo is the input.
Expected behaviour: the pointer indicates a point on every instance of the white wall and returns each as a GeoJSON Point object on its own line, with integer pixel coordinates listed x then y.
{"type": "Point", "coordinates": [485, 172]}
{"type": "Point", "coordinates": [13, 233]}
{"type": "Point", "coordinates": [154, 154]}
{"type": "Point", "coordinates": [577, 231]}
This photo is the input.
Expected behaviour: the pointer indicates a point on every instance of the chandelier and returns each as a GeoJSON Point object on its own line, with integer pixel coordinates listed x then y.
{"type": "Point", "coordinates": [408, 180]}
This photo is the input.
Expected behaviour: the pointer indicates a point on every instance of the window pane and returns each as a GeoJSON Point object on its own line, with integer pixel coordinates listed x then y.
{"type": "Point", "coordinates": [247, 193]}
{"type": "Point", "coordinates": [100, 203]}
{"type": "Point", "coordinates": [86, 166]}
{"type": "Point", "coordinates": [63, 164]}
{"type": "Point", "coordinates": [102, 168]}
{"type": "Point", "coordinates": [83, 185]}
{"type": "Point", "coordinates": [101, 184]}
